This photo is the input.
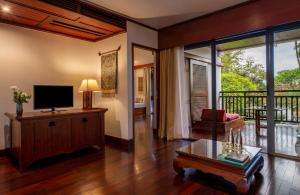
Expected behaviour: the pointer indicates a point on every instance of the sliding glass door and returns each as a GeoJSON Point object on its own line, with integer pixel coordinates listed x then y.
{"type": "Point", "coordinates": [242, 87]}
{"type": "Point", "coordinates": [201, 87]}
{"type": "Point", "coordinates": [287, 92]}
{"type": "Point", "coordinates": [255, 75]}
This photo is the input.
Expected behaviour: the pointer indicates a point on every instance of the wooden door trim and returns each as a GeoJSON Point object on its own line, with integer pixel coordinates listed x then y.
{"type": "Point", "coordinates": [133, 45]}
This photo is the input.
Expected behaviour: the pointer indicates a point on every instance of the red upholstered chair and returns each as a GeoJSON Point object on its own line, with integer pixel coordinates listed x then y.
{"type": "Point", "coordinates": [225, 121]}
{"type": "Point", "coordinates": [207, 115]}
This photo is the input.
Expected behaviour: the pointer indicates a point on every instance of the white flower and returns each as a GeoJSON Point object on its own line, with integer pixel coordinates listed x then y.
{"type": "Point", "coordinates": [24, 94]}
{"type": "Point", "coordinates": [13, 88]}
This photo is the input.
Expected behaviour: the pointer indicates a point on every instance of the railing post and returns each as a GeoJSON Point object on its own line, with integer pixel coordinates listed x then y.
{"type": "Point", "coordinates": [297, 108]}
{"type": "Point", "coordinates": [245, 111]}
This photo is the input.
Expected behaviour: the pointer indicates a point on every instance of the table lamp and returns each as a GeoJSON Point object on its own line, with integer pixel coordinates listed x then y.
{"type": "Point", "coordinates": [88, 86]}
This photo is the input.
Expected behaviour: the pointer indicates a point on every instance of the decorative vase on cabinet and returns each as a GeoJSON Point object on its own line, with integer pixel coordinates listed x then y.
{"type": "Point", "coordinates": [19, 109]}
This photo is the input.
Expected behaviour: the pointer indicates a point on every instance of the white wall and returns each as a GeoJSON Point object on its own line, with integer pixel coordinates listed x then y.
{"type": "Point", "coordinates": [29, 57]}
{"type": "Point", "coordinates": [143, 36]}
{"type": "Point", "coordinates": [117, 116]}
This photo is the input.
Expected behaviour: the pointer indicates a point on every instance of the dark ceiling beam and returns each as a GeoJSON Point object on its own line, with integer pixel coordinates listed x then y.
{"type": "Point", "coordinates": [89, 10]}
{"type": "Point", "coordinates": [251, 16]}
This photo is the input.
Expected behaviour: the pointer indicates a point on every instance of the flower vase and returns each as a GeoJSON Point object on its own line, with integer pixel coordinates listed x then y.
{"type": "Point", "coordinates": [19, 109]}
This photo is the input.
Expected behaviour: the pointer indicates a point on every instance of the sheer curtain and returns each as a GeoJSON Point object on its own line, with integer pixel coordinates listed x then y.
{"type": "Point", "coordinates": [147, 91]}
{"type": "Point", "coordinates": [174, 104]}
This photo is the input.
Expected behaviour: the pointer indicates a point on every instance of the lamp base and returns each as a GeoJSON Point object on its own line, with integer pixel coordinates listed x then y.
{"type": "Point", "coordinates": [87, 100]}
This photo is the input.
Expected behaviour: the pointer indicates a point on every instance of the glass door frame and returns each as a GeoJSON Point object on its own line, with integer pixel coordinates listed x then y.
{"type": "Point", "coordinates": [269, 37]}
{"type": "Point", "coordinates": [212, 46]}
{"type": "Point", "coordinates": [271, 128]}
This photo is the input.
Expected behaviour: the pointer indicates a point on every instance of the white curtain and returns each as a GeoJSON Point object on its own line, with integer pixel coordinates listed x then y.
{"type": "Point", "coordinates": [181, 119]}
{"type": "Point", "coordinates": [174, 108]}
{"type": "Point", "coordinates": [147, 91]}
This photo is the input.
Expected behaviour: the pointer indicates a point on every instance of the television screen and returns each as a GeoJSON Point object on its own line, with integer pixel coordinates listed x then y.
{"type": "Point", "coordinates": [46, 96]}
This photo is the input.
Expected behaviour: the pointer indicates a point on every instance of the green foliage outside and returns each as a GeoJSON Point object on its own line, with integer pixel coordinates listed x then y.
{"type": "Point", "coordinates": [297, 49]}
{"type": "Point", "coordinates": [235, 82]}
{"type": "Point", "coordinates": [291, 78]}
{"type": "Point", "coordinates": [241, 73]}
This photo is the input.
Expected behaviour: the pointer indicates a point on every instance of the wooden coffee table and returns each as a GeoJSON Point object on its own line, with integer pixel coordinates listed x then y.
{"type": "Point", "coordinates": [203, 155]}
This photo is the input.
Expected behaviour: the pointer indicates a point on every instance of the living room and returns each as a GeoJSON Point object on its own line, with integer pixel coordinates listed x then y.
{"type": "Point", "coordinates": [93, 143]}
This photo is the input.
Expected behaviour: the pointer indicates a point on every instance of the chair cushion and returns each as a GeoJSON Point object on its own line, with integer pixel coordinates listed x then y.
{"type": "Point", "coordinates": [207, 115]}
{"type": "Point", "coordinates": [230, 117]}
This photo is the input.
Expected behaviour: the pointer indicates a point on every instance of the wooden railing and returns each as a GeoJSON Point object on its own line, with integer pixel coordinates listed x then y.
{"type": "Point", "coordinates": [286, 103]}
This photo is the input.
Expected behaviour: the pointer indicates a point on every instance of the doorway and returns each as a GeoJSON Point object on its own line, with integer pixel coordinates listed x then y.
{"type": "Point", "coordinates": [145, 96]}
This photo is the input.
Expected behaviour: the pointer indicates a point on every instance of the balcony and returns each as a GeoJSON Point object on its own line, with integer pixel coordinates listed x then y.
{"type": "Point", "coordinates": [245, 103]}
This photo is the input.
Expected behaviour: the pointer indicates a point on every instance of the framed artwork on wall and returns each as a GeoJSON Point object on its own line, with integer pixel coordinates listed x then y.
{"type": "Point", "coordinates": [109, 73]}
{"type": "Point", "coordinates": [140, 84]}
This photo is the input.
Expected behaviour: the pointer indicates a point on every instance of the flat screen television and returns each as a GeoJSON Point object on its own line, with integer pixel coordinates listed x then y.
{"type": "Point", "coordinates": [51, 97]}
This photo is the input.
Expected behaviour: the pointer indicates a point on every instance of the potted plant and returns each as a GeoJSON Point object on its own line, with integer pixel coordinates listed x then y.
{"type": "Point", "coordinates": [20, 97]}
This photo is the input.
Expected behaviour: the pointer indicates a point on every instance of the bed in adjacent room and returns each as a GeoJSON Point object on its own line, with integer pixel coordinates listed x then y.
{"type": "Point", "coordinates": [139, 109]}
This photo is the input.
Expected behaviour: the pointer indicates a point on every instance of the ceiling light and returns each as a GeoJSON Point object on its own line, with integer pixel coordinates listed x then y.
{"type": "Point", "coordinates": [5, 9]}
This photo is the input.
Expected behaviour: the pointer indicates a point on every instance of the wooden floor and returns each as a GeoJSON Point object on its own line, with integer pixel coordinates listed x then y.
{"type": "Point", "coordinates": [148, 170]}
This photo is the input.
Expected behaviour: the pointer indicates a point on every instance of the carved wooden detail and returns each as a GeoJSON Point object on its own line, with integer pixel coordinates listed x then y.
{"type": "Point", "coordinates": [43, 16]}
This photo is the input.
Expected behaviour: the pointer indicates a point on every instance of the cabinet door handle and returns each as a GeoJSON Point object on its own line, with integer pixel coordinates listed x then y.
{"type": "Point", "coordinates": [51, 123]}
{"type": "Point", "coordinates": [84, 119]}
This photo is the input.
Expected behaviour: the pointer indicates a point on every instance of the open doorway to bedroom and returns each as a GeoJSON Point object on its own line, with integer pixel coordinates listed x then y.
{"type": "Point", "coordinates": [145, 95]}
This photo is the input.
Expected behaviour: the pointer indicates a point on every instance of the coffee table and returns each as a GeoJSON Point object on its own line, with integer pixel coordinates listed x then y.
{"type": "Point", "coordinates": [203, 155]}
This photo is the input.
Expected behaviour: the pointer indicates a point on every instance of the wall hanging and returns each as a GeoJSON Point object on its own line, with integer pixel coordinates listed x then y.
{"type": "Point", "coordinates": [109, 71]}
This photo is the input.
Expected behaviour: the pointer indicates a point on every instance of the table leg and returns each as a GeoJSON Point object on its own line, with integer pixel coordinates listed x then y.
{"type": "Point", "coordinates": [244, 185]}
{"type": "Point", "coordinates": [179, 170]}
{"type": "Point", "coordinates": [260, 165]}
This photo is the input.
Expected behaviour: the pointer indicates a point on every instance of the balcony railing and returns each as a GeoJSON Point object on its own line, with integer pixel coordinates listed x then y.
{"type": "Point", "coordinates": [286, 103]}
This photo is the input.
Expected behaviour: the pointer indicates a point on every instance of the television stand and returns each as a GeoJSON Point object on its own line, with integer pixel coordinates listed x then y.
{"type": "Point", "coordinates": [36, 135]}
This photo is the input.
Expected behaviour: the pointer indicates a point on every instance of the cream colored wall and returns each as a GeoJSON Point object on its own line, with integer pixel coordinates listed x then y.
{"type": "Point", "coordinates": [143, 36]}
{"type": "Point", "coordinates": [117, 117]}
{"type": "Point", "coordinates": [29, 57]}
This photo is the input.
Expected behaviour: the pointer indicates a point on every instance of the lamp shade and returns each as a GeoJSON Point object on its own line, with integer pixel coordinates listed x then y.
{"type": "Point", "coordinates": [89, 85]}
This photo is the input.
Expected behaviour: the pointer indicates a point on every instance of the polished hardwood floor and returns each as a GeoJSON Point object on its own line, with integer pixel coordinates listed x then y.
{"type": "Point", "coordinates": [147, 170]}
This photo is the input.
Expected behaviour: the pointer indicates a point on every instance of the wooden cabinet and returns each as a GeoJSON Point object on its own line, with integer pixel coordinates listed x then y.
{"type": "Point", "coordinates": [39, 135]}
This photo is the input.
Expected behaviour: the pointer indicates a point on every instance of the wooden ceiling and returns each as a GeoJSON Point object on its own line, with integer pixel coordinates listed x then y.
{"type": "Point", "coordinates": [72, 22]}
